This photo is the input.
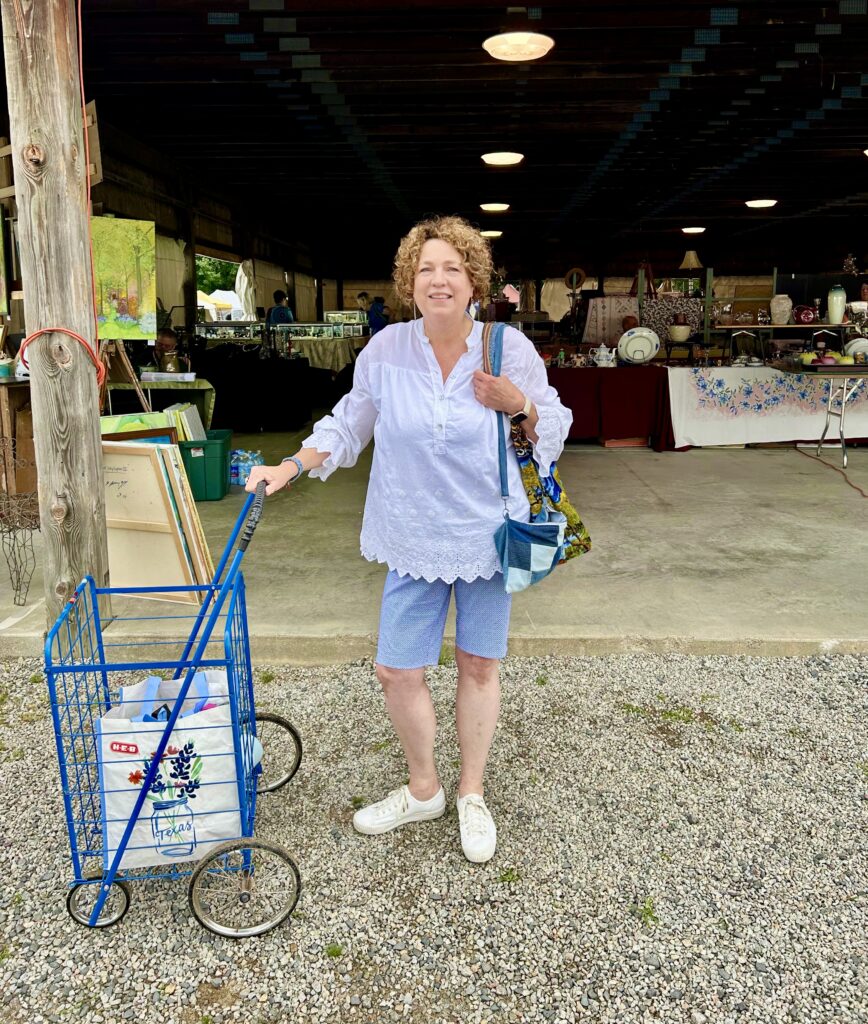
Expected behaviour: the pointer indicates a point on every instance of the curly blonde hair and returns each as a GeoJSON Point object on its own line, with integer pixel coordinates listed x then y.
{"type": "Point", "coordinates": [457, 232]}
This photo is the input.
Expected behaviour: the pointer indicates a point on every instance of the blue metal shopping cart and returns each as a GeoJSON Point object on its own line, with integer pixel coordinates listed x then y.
{"type": "Point", "coordinates": [117, 751]}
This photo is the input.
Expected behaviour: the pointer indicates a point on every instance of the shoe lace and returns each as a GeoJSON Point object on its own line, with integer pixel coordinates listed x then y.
{"type": "Point", "coordinates": [474, 816]}
{"type": "Point", "coordinates": [395, 803]}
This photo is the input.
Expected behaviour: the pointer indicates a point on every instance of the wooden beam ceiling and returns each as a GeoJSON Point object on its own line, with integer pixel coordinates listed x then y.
{"type": "Point", "coordinates": [350, 121]}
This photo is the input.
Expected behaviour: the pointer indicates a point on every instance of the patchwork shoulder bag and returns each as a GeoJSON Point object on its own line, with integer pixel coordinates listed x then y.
{"type": "Point", "coordinates": [528, 552]}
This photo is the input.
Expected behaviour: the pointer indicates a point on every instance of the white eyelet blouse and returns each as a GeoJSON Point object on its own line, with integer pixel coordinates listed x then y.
{"type": "Point", "coordinates": [433, 500]}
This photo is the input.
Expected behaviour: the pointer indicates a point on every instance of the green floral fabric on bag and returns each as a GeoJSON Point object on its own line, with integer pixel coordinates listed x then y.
{"type": "Point", "coordinates": [577, 540]}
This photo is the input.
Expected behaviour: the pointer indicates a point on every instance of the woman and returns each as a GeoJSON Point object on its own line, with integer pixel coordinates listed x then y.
{"type": "Point", "coordinates": [433, 505]}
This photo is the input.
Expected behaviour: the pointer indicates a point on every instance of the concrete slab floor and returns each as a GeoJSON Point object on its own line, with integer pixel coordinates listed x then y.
{"type": "Point", "coordinates": [730, 551]}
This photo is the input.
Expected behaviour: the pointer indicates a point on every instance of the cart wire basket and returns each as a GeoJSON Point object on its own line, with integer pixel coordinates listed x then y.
{"type": "Point", "coordinates": [170, 791]}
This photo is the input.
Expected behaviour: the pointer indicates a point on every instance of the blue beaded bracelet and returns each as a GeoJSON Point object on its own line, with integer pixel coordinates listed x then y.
{"type": "Point", "coordinates": [298, 465]}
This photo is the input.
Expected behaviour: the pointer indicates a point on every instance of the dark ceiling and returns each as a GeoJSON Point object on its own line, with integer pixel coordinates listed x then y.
{"type": "Point", "coordinates": [346, 122]}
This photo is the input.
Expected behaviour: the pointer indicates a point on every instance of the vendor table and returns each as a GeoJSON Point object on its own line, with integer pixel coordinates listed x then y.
{"type": "Point", "coordinates": [199, 392]}
{"type": "Point", "coordinates": [256, 389]}
{"type": "Point", "coordinates": [616, 403]}
{"type": "Point", "coordinates": [748, 405]}
{"type": "Point", "coordinates": [844, 384]}
{"type": "Point", "coordinates": [328, 353]}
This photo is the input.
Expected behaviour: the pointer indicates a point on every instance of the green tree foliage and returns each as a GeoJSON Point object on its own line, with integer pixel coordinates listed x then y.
{"type": "Point", "coordinates": [212, 274]}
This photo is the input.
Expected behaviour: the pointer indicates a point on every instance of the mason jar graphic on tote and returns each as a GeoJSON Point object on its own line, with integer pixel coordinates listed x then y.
{"type": "Point", "coordinates": [175, 784]}
{"type": "Point", "coordinates": [173, 829]}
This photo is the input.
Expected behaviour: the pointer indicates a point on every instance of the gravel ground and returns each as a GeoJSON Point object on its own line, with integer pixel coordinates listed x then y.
{"type": "Point", "coordinates": [680, 839]}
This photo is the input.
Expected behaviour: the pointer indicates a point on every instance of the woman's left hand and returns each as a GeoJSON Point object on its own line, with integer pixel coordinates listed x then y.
{"type": "Point", "coordinates": [496, 392]}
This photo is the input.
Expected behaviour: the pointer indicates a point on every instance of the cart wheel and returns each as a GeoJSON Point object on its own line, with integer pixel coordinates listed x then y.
{"type": "Point", "coordinates": [243, 888]}
{"type": "Point", "coordinates": [281, 746]}
{"type": "Point", "coordinates": [82, 897]}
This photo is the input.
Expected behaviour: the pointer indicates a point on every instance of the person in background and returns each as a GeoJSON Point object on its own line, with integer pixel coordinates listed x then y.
{"type": "Point", "coordinates": [378, 314]}
{"type": "Point", "coordinates": [167, 344]}
{"type": "Point", "coordinates": [167, 341]}
{"type": "Point", "coordinates": [280, 313]}
{"type": "Point", "coordinates": [433, 504]}
{"type": "Point", "coordinates": [363, 301]}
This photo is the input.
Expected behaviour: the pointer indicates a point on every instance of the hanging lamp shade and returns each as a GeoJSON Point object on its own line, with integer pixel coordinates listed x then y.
{"type": "Point", "coordinates": [691, 261]}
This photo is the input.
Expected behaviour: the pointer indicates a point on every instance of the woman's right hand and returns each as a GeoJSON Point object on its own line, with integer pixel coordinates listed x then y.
{"type": "Point", "coordinates": [276, 477]}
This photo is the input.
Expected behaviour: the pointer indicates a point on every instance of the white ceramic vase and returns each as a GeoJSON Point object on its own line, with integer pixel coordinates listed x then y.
{"type": "Point", "coordinates": [837, 301]}
{"type": "Point", "coordinates": [781, 308]}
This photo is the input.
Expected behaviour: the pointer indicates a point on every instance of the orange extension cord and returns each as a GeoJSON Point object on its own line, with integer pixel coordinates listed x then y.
{"type": "Point", "coordinates": [822, 462]}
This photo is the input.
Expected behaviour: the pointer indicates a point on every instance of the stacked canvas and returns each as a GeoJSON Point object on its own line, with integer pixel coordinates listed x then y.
{"type": "Point", "coordinates": [133, 421]}
{"type": "Point", "coordinates": [187, 421]}
{"type": "Point", "coordinates": [155, 537]}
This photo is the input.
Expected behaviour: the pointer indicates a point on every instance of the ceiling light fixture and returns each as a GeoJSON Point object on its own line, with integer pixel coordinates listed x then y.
{"type": "Point", "coordinates": [693, 231]}
{"type": "Point", "coordinates": [865, 151]}
{"type": "Point", "coordinates": [502, 159]}
{"type": "Point", "coordinates": [518, 46]}
{"type": "Point", "coordinates": [761, 204]}
{"type": "Point", "coordinates": [491, 234]}
{"type": "Point", "coordinates": [494, 207]}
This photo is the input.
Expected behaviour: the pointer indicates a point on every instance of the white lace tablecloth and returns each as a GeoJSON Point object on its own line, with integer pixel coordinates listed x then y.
{"type": "Point", "coordinates": [603, 325]}
{"type": "Point", "coordinates": [728, 405]}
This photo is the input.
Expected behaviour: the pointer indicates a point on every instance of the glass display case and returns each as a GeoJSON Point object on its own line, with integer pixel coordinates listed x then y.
{"type": "Point", "coordinates": [232, 330]}
{"type": "Point", "coordinates": [285, 335]}
{"type": "Point", "coordinates": [346, 316]}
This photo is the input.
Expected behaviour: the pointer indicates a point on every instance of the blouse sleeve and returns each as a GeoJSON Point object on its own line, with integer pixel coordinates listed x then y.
{"type": "Point", "coordinates": [531, 378]}
{"type": "Point", "coordinates": [349, 428]}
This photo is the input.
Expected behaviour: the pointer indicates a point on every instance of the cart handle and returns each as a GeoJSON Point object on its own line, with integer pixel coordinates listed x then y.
{"type": "Point", "coordinates": [253, 517]}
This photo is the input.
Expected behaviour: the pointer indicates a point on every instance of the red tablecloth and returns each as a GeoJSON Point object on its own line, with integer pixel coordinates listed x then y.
{"type": "Point", "coordinates": [617, 403]}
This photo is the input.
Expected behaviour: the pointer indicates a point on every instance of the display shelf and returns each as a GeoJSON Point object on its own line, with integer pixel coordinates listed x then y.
{"type": "Point", "coordinates": [817, 328]}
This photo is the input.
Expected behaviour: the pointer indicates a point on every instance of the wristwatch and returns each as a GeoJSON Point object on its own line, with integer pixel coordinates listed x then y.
{"type": "Point", "coordinates": [522, 414]}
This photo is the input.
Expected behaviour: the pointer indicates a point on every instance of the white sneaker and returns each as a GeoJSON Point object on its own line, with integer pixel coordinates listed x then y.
{"type": "Point", "coordinates": [478, 833]}
{"type": "Point", "coordinates": [399, 808]}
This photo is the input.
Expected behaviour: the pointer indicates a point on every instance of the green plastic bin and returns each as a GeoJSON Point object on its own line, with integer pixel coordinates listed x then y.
{"type": "Point", "coordinates": [207, 465]}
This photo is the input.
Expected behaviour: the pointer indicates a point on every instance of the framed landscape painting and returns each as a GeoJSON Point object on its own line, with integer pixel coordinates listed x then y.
{"type": "Point", "coordinates": [124, 269]}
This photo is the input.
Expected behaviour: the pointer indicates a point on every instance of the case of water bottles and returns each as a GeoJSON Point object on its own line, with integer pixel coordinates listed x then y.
{"type": "Point", "coordinates": [241, 462]}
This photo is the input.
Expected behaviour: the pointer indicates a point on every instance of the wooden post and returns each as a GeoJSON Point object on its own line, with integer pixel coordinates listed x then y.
{"type": "Point", "coordinates": [191, 302]}
{"type": "Point", "coordinates": [48, 161]}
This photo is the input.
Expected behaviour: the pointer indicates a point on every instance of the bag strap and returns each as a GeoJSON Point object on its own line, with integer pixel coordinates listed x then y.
{"type": "Point", "coordinates": [146, 701]}
{"type": "Point", "coordinates": [492, 357]}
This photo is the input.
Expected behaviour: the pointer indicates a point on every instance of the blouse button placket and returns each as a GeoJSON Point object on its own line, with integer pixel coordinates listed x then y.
{"type": "Point", "coordinates": [441, 405]}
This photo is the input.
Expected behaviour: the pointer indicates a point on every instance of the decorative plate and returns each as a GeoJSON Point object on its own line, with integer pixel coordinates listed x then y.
{"type": "Point", "coordinates": [856, 346]}
{"type": "Point", "coordinates": [638, 345]}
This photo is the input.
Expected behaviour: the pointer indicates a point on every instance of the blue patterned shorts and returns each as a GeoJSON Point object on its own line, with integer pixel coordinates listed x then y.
{"type": "Point", "coordinates": [413, 616]}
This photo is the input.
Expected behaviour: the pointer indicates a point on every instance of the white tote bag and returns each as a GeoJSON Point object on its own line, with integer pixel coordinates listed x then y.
{"type": "Point", "coordinates": [193, 802]}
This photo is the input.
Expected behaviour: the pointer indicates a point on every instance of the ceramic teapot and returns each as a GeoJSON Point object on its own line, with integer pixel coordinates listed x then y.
{"type": "Point", "coordinates": [603, 356]}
